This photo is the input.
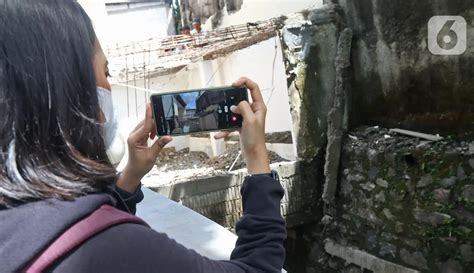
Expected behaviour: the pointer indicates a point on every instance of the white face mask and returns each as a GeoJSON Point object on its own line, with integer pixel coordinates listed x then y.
{"type": "Point", "coordinates": [113, 141]}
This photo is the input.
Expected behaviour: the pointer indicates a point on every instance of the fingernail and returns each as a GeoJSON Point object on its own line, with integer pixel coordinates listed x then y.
{"type": "Point", "coordinates": [233, 108]}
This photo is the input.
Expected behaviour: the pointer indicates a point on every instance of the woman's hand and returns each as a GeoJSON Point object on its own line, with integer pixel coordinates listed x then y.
{"type": "Point", "coordinates": [252, 134]}
{"type": "Point", "coordinates": [141, 157]}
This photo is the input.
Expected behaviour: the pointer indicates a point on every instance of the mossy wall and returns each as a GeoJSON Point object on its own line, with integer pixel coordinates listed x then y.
{"type": "Point", "coordinates": [397, 81]}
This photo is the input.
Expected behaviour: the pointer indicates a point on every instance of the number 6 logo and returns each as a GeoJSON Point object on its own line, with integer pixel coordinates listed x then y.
{"type": "Point", "coordinates": [447, 35]}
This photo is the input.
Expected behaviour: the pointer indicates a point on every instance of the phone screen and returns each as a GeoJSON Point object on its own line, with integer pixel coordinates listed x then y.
{"type": "Point", "coordinates": [196, 111]}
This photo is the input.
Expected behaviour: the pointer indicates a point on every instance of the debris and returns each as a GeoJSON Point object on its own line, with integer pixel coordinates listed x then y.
{"type": "Point", "coordinates": [353, 137]}
{"type": "Point", "coordinates": [173, 167]}
{"type": "Point", "coordinates": [235, 161]}
{"type": "Point", "coordinates": [417, 134]}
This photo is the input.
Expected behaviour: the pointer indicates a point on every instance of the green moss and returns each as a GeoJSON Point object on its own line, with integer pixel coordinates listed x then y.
{"type": "Point", "coordinates": [449, 229]}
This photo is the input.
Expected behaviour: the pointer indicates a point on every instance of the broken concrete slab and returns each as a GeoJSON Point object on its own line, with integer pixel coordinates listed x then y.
{"type": "Point", "coordinates": [335, 118]}
{"type": "Point", "coordinates": [363, 259]}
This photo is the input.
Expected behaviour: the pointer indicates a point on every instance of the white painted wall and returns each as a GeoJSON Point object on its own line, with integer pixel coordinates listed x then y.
{"type": "Point", "coordinates": [139, 23]}
{"type": "Point", "coordinates": [259, 10]}
{"type": "Point", "coordinates": [143, 21]}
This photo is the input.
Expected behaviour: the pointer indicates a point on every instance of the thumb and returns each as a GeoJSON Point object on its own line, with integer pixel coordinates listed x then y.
{"type": "Point", "coordinates": [148, 126]}
{"type": "Point", "coordinates": [160, 144]}
{"type": "Point", "coordinates": [244, 110]}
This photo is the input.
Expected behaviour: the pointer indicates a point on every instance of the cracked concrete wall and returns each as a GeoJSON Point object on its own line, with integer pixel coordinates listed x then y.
{"type": "Point", "coordinates": [310, 49]}
{"type": "Point", "coordinates": [397, 81]}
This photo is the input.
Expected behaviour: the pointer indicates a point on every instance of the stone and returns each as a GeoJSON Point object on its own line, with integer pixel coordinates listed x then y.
{"type": "Point", "coordinates": [398, 195]}
{"type": "Point", "coordinates": [373, 172]}
{"type": "Point", "coordinates": [370, 216]}
{"type": "Point", "coordinates": [398, 227]}
{"type": "Point", "coordinates": [368, 186]}
{"type": "Point", "coordinates": [332, 263]}
{"type": "Point", "coordinates": [450, 266]}
{"type": "Point", "coordinates": [346, 187]}
{"type": "Point", "coordinates": [448, 182]}
{"type": "Point", "coordinates": [464, 229]}
{"type": "Point", "coordinates": [372, 155]}
{"type": "Point", "coordinates": [415, 259]}
{"type": "Point", "coordinates": [414, 244]}
{"type": "Point", "coordinates": [471, 163]}
{"type": "Point", "coordinates": [382, 183]}
{"type": "Point", "coordinates": [389, 157]}
{"type": "Point", "coordinates": [351, 269]}
{"type": "Point", "coordinates": [388, 214]}
{"type": "Point", "coordinates": [355, 177]}
{"type": "Point", "coordinates": [432, 218]}
{"type": "Point", "coordinates": [326, 220]}
{"type": "Point", "coordinates": [425, 181]}
{"type": "Point", "coordinates": [463, 215]}
{"type": "Point", "coordinates": [441, 196]}
{"type": "Point", "coordinates": [391, 172]}
{"type": "Point", "coordinates": [388, 249]}
{"type": "Point", "coordinates": [380, 197]}
{"type": "Point", "coordinates": [371, 239]}
{"type": "Point", "coordinates": [467, 253]}
{"type": "Point", "coordinates": [461, 174]}
{"type": "Point", "coordinates": [468, 193]}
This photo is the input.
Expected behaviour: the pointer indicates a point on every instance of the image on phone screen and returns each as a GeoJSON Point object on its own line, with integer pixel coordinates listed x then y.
{"type": "Point", "coordinates": [197, 111]}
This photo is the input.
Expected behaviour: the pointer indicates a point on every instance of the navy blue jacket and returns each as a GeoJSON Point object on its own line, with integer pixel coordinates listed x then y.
{"type": "Point", "coordinates": [28, 229]}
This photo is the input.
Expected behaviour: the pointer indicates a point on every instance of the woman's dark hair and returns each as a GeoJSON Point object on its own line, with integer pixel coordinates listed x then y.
{"type": "Point", "coordinates": [51, 144]}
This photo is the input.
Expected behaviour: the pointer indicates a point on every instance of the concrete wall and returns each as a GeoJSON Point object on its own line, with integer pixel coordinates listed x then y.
{"type": "Point", "coordinates": [396, 79]}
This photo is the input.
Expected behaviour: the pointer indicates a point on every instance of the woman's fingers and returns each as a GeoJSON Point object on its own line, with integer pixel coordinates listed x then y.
{"type": "Point", "coordinates": [252, 86]}
{"type": "Point", "coordinates": [160, 144]}
{"type": "Point", "coordinates": [149, 124]}
{"type": "Point", "coordinates": [144, 129]}
{"type": "Point", "coordinates": [244, 110]}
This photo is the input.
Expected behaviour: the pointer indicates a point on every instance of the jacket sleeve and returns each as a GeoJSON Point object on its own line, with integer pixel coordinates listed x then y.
{"type": "Point", "coordinates": [134, 248]}
{"type": "Point", "coordinates": [261, 231]}
{"type": "Point", "coordinates": [127, 201]}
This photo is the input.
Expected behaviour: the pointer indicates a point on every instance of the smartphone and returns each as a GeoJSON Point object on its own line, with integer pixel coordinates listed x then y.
{"type": "Point", "coordinates": [196, 111]}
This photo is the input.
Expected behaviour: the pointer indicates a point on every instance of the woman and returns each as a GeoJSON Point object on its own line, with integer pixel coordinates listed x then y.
{"type": "Point", "coordinates": [54, 169]}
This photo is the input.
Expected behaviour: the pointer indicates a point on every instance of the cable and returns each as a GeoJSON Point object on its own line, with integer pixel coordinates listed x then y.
{"type": "Point", "coordinates": [215, 72]}
{"type": "Point", "coordinates": [273, 73]}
